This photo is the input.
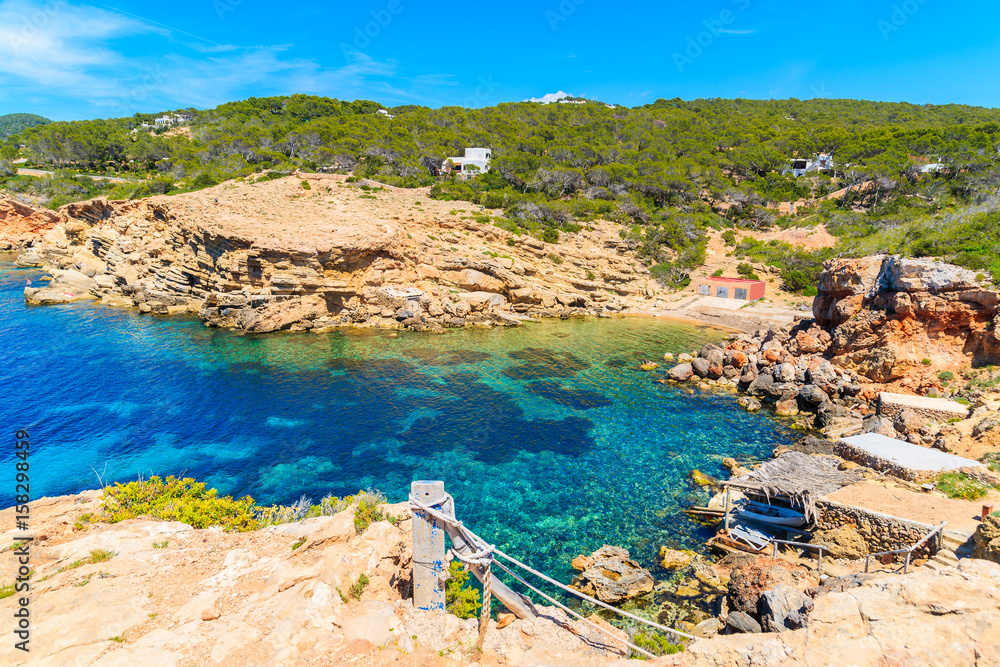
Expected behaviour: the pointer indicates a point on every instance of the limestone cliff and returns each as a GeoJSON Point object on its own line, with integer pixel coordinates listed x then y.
{"type": "Point", "coordinates": [312, 251]}
{"type": "Point", "coordinates": [887, 314]}
{"type": "Point", "coordinates": [21, 224]}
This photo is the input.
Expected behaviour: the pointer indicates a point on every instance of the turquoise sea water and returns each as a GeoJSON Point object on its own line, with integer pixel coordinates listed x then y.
{"type": "Point", "coordinates": [548, 437]}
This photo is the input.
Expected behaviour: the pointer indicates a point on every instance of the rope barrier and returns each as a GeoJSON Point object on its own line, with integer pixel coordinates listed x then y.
{"type": "Point", "coordinates": [484, 558]}
{"type": "Point", "coordinates": [579, 616]}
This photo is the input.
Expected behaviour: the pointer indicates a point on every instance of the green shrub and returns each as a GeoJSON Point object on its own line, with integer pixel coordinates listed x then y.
{"type": "Point", "coordinates": [203, 180]}
{"type": "Point", "coordinates": [101, 555]}
{"type": "Point", "coordinates": [746, 271]}
{"type": "Point", "coordinates": [655, 643]}
{"type": "Point", "coordinates": [176, 499]}
{"type": "Point", "coordinates": [926, 362]}
{"type": "Point", "coordinates": [810, 290]}
{"type": "Point", "coordinates": [306, 186]}
{"type": "Point", "coordinates": [6, 591]}
{"type": "Point", "coordinates": [550, 235]}
{"type": "Point", "coordinates": [729, 236]}
{"type": "Point", "coordinates": [717, 273]}
{"type": "Point", "coordinates": [961, 486]}
{"type": "Point", "coordinates": [359, 587]}
{"type": "Point", "coordinates": [298, 543]}
{"type": "Point", "coordinates": [946, 376]}
{"type": "Point", "coordinates": [461, 600]}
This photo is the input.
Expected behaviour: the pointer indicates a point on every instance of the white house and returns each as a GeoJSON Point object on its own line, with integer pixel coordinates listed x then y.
{"type": "Point", "coordinates": [476, 160]}
{"type": "Point", "coordinates": [822, 163]}
{"type": "Point", "coordinates": [383, 112]}
{"type": "Point", "coordinates": [172, 119]}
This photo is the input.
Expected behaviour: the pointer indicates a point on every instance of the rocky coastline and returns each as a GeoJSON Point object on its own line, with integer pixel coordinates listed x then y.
{"type": "Point", "coordinates": [385, 263]}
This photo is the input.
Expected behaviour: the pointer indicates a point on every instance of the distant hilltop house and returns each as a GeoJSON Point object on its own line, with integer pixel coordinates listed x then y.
{"type": "Point", "coordinates": [476, 161]}
{"type": "Point", "coordinates": [822, 164]}
{"type": "Point", "coordinates": [172, 119]}
{"type": "Point", "coordinates": [739, 289]}
{"type": "Point", "coordinates": [383, 112]}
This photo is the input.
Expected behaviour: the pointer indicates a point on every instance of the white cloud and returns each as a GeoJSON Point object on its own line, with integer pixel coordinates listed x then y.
{"type": "Point", "coordinates": [550, 98]}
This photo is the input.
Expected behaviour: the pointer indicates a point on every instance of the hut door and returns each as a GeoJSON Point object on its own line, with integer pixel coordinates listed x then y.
{"type": "Point", "coordinates": [722, 292]}
{"type": "Point", "coordinates": [740, 294]}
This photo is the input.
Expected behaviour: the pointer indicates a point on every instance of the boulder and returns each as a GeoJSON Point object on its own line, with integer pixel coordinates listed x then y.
{"type": "Point", "coordinates": [843, 542]}
{"type": "Point", "coordinates": [824, 375]}
{"type": "Point", "coordinates": [738, 622]}
{"type": "Point", "coordinates": [924, 275]}
{"type": "Point", "coordinates": [880, 426]}
{"type": "Point", "coordinates": [813, 395]}
{"type": "Point", "coordinates": [760, 387]}
{"type": "Point", "coordinates": [784, 373]}
{"type": "Point", "coordinates": [672, 559]}
{"type": "Point", "coordinates": [612, 577]}
{"type": "Point", "coordinates": [681, 373]}
{"type": "Point", "coordinates": [701, 367]}
{"type": "Point", "coordinates": [787, 408]}
{"type": "Point", "coordinates": [751, 579]}
{"type": "Point", "coordinates": [784, 608]}
{"type": "Point", "coordinates": [749, 403]}
{"type": "Point", "coordinates": [908, 422]}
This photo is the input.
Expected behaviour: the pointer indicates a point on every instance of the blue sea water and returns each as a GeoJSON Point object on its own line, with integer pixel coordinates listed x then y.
{"type": "Point", "coordinates": [548, 437]}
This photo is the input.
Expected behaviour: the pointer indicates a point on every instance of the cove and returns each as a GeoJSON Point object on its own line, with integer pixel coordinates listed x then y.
{"type": "Point", "coordinates": [548, 437]}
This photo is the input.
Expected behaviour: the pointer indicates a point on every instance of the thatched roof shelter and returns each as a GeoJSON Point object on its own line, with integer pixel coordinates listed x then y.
{"type": "Point", "coordinates": [799, 477]}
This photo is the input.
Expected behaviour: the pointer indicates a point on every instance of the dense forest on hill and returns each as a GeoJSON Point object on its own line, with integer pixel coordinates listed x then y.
{"type": "Point", "coordinates": [669, 170]}
{"type": "Point", "coordinates": [16, 122]}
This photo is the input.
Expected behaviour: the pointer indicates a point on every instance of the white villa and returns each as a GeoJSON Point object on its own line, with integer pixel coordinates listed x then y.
{"type": "Point", "coordinates": [476, 160]}
{"type": "Point", "coordinates": [822, 163]}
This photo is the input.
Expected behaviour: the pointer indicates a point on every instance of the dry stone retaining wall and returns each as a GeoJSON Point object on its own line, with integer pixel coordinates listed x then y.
{"type": "Point", "coordinates": [881, 532]}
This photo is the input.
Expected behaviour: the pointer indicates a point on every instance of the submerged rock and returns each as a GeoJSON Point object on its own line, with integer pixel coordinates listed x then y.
{"type": "Point", "coordinates": [672, 559]}
{"type": "Point", "coordinates": [610, 576]}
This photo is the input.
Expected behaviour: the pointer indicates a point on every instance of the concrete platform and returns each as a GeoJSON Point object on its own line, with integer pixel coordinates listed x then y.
{"type": "Point", "coordinates": [937, 409]}
{"type": "Point", "coordinates": [900, 458]}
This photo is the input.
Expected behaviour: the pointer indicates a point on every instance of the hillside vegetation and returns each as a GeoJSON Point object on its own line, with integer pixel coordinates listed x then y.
{"type": "Point", "coordinates": [13, 123]}
{"type": "Point", "coordinates": [670, 170]}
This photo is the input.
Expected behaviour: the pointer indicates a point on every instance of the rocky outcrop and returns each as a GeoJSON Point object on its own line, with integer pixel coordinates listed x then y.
{"type": "Point", "coordinates": [885, 314]}
{"type": "Point", "coordinates": [611, 576]}
{"type": "Point", "coordinates": [22, 225]}
{"type": "Point", "coordinates": [218, 254]}
{"type": "Point", "coordinates": [751, 580]}
{"type": "Point", "coordinates": [949, 618]}
{"type": "Point", "coordinates": [987, 539]}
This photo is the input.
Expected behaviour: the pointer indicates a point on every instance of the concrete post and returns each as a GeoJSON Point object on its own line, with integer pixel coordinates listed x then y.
{"type": "Point", "coordinates": [429, 567]}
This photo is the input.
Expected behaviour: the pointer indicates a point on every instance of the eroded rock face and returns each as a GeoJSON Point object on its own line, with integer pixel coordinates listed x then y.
{"type": "Point", "coordinates": [610, 575]}
{"type": "Point", "coordinates": [22, 225]}
{"type": "Point", "coordinates": [884, 313]}
{"type": "Point", "coordinates": [749, 581]}
{"type": "Point", "coordinates": [370, 262]}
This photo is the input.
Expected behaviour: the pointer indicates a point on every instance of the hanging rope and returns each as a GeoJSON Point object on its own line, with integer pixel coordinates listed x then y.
{"type": "Point", "coordinates": [484, 558]}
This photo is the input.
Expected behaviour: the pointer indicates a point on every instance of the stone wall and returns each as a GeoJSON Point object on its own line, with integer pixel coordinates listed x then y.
{"type": "Point", "coordinates": [881, 532]}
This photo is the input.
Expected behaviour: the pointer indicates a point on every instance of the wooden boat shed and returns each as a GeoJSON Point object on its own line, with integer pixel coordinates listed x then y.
{"type": "Point", "coordinates": [797, 478]}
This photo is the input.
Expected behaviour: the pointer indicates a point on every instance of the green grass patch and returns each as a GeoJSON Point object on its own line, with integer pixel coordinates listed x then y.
{"type": "Point", "coordinates": [655, 643]}
{"type": "Point", "coordinates": [962, 487]}
{"type": "Point", "coordinates": [298, 543]}
{"type": "Point", "coordinates": [359, 586]}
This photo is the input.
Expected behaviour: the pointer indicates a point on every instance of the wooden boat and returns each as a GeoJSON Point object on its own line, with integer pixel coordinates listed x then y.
{"type": "Point", "coordinates": [742, 538]}
{"type": "Point", "coordinates": [770, 514]}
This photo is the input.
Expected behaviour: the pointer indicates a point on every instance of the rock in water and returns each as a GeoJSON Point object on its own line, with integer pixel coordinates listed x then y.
{"type": "Point", "coordinates": [784, 608]}
{"type": "Point", "coordinates": [681, 373]}
{"type": "Point", "coordinates": [611, 576]}
{"type": "Point", "coordinates": [672, 559]}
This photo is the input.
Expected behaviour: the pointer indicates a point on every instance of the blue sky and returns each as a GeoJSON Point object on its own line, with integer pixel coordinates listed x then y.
{"type": "Point", "coordinates": [71, 60]}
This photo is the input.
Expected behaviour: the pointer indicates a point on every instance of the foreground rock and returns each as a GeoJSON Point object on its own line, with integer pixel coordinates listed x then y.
{"type": "Point", "coordinates": [172, 595]}
{"type": "Point", "coordinates": [609, 575]}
